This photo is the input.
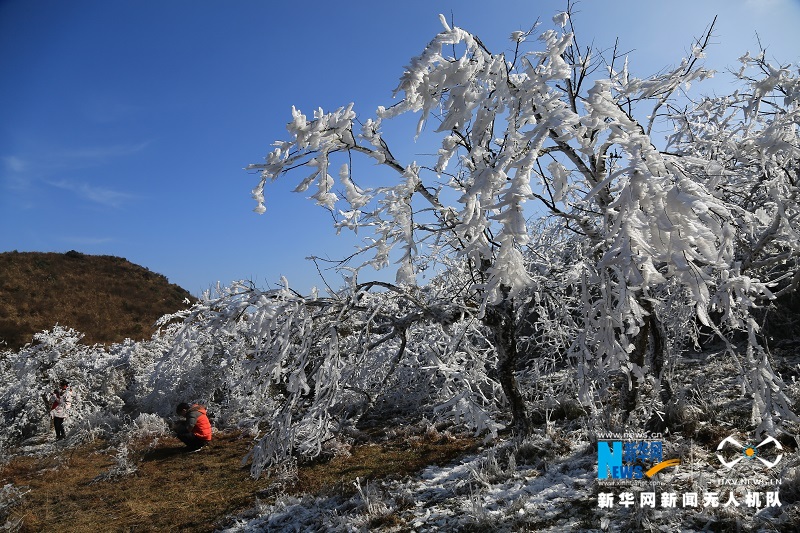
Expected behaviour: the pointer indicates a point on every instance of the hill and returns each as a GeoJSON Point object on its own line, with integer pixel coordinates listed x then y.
{"type": "Point", "coordinates": [107, 298]}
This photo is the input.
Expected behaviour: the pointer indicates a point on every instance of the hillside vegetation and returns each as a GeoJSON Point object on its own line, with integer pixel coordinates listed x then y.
{"type": "Point", "coordinates": [107, 298]}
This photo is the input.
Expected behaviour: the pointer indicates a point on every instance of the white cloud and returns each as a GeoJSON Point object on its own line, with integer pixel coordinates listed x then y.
{"type": "Point", "coordinates": [51, 161]}
{"type": "Point", "coordinates": [25, 173]}
{"type": "Point", "coordinates": [99, 154]}
{"type": "Point", "coordinates": [100, 195]}
{"type": "Point", "coordinates": [14, 163]}
{"type": "Point", "coordinates": [15, 176]}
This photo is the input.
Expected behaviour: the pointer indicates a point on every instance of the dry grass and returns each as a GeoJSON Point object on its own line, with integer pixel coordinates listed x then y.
{"type": "Point", "coordinates": [173, 490]}
{"type": "Point", "coordinates": [397, 458]}
{"type": "Point", "coordinates": [107, 298]}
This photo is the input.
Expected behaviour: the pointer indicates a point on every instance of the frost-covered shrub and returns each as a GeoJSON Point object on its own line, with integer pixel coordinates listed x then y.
{"type": "Point", "coordinates": [107, 384]}
{"type": "Point", "coordinates": [149, 425]}
{"type": "Point", "coordinates": [122, 468]}
{"type": "Point", "coordinates": [10, 496]}
{"type": "Point", "coordinates": [790, 486]}
{"type": "Point", "coordinates": [303, 370]}
{"type": "Point", "coordinates": [30, 376]}
{"type": "Point", "coordinates": [372, 501]}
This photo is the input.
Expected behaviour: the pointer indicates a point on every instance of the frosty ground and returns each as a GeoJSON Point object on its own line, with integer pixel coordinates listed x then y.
{"type": "Point", "coordinates": [547, 482]}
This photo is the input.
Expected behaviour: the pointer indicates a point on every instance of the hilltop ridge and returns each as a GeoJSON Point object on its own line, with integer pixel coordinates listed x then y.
{"type": "Point", "coordinates": [105, 297]}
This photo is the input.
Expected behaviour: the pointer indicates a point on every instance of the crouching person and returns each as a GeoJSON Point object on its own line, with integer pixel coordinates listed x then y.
{"type": "Point", "coordinates": [195, 431]}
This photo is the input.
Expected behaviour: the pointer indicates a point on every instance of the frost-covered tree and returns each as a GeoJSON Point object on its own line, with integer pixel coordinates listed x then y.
{"type": "Point", "coordinates": [560, 229]}
{"type": "Point", "coordinates": [306, 369]}
{"type": "Point", "coordinates": [704, 226]}
{"type": "Point", "coordinates": [743, 149]}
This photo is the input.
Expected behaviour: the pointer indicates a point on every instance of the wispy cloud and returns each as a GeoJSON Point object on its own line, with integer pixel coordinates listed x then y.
{"type": "Point", "coordinates": [58, 160]}
{"type": "Point", "coordinates": [100, 195]}
{"type": "Point", "coordinates": [14, 176]}
{"type": "Point", "coordinates": [14, 163]}
{"type": "Point", "coordinates": [25, 174]}
{"type": "Point", "coordinates": [98, 154]}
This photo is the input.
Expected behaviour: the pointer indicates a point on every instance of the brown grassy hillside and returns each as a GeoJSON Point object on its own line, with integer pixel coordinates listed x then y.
{"type": "Point", "coordinates": [107, 298]}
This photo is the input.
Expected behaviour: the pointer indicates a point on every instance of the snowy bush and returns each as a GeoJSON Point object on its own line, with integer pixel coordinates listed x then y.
{"type": "Point", "coordinates": [32, 374]}
{"type": "Point", "coordinates": [122, 468]}
{"type": "Point", "coordinates": [10, 496]}
{"type": "Point", "coordinates": [149, 425]}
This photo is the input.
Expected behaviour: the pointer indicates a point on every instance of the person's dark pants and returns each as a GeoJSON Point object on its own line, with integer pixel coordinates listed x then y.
{"type": "Point", "coordinates": [58, 423]}
{"type": "Point", "coordinates": [191, 442]}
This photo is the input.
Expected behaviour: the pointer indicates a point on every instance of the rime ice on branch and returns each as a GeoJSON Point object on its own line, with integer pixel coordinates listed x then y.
{"type": "Point", "coordinates": [645, 235]}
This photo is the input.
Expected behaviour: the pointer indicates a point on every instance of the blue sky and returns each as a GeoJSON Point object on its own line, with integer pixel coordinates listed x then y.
{"type": "Point", "coordinates": [125, 126]}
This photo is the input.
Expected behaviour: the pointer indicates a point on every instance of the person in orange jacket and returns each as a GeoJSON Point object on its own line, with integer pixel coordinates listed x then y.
{"type": "Point", "coordinates": [195, 431]}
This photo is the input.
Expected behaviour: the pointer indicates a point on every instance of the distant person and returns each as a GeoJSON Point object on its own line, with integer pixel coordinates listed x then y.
{"type": "Point", "coordinates": [195, 431]}
{"type": "Point", "coordinates": [60, 404]}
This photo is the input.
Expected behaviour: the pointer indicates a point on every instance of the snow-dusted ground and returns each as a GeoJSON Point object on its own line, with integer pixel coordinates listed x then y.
{"type": "Point", "coordinates": [482, 493]}
{"type": "Point", "coordinates": [550, 483]}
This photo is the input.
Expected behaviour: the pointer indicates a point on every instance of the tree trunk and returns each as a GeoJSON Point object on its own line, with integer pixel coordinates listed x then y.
{"type": "Point", "coordinates": [656, 422]}
{"type": "Point", "coordinates": [500, 320]}
{"type": "Point", "coordinates": [641, 344]}
{"type": "Point", "coordinates": [650, 340]}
